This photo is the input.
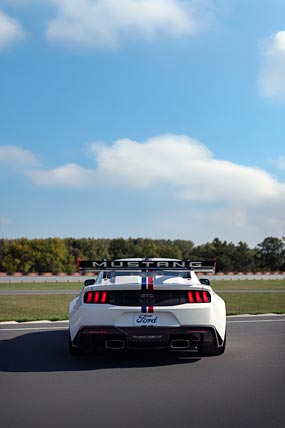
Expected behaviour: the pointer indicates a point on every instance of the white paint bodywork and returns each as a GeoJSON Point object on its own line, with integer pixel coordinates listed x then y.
{"type": "Point", "coordinates": [212, 314]}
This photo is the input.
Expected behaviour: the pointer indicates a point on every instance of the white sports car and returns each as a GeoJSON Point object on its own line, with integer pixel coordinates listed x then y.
{"type": "Point", "coordinates": [147, 304]}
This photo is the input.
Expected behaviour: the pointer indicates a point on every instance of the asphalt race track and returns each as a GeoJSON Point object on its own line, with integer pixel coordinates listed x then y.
{"type": "Point", "coordinates": [42, 386]}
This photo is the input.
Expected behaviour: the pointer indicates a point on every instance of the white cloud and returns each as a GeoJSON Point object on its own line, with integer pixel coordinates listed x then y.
{"type": "Point", "coordinates": [17, 156]}
{"type": "Point", "coordinates": [107, 23]}
{"type": "Point", "coordinates": [186, 166]}
{"type": "Point", "coordinates": [10, 31]}
{"type": "Point", "coordinates": [70, 175]}
{"type": "Point", "coordinates": [272, 72]}
{"type": "Point", "coordinates": [208, 197]}
{"type": "Point", "coordinates": [183, 164]}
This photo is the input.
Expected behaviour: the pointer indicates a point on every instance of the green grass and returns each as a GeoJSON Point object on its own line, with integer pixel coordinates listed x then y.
{"type": "Point", "coordinates": [55, 307]}
{"type": "Point", "coordinates": [254, 303]}
{"type": "Point", "coordinates": [32, 308]}
{"type": "Point", "coordinates": [42, 286]}
{"type": "Point", "coordinates": [254, 284]}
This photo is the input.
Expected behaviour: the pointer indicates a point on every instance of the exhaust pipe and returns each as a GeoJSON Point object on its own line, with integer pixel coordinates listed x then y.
{"type": "Point", "coordinates": [115, 344]}
{"type": "Point", "coordinates": [180, 344]}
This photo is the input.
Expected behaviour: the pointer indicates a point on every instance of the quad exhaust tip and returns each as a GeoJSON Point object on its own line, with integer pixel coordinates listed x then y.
{"type": "Point", "coordinates": [180, 344]}
{"type": "Point", "coordinates": [115, 344]}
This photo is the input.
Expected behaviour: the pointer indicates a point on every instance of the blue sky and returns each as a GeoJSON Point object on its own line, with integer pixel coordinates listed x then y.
{"type": "Point", "coordinates": [150, 118]}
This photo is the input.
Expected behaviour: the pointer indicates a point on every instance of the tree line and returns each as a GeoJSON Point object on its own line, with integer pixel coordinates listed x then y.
{"type": "Point", "coordinates": [60, 254]}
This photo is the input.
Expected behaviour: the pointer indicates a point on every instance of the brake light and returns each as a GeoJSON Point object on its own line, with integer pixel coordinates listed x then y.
{"type": "Point", "coordinates": [191, 297]}
{"type": "Point", "coordinates": [206, 296]}
{"type": "Point", "coordinates": [95, 297]}
{"type": "Point", "coordinates": [104, 297]}
{"type": "Point", "coordinates": [88, 297]}
{"type": "Point", "coordinates": [199, 296]}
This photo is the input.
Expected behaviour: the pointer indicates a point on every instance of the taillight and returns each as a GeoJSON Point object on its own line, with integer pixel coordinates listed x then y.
{"type": "Point", "coordinates": [88, 297]}
{"type": "Point", "coordinates": [191, 297]}
{"type": "Point", "coordinates": [104, 297]}
{"type": "Point", "coordinates": [198, 296]}
{"type": "Point", "coordinates": [206, 297]}
{"type": "Point", "coordinates": [95, 297]}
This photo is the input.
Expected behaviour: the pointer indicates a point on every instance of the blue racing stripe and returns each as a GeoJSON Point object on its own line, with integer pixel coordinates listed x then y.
{"type": "Point", "coordinates": [143, 283]}
{"type": "Point", "coordinates": [143, 308]}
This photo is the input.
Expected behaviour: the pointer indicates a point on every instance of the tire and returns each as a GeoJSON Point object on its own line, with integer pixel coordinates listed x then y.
{"type": "Point", "coordinates": [212, 351]}
{"type": "Point", "coordinates": [74, 351]}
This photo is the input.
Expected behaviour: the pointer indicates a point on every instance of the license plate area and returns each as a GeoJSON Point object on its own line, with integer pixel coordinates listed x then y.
{"type": "Point", "coordinates": [146, 320]}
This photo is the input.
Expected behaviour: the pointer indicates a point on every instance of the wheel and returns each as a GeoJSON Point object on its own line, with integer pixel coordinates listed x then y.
{"type": "Point", "coordinates": [74, 351]}
{"type": "Point", "coordinates": [212, 351]}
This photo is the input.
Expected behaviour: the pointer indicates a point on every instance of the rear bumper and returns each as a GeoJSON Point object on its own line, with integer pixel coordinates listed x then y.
{"type": "Point", "coordinates": [184, 338]}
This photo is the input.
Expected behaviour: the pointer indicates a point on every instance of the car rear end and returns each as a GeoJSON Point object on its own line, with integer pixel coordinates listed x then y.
{"type": "Point", "coordinates": [174, 318]}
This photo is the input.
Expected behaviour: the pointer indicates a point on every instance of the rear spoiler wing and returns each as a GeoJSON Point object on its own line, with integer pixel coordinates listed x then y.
{"type": "Point", "coordinates": [145, 265]}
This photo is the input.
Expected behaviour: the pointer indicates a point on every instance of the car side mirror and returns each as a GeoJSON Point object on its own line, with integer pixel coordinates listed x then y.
{"type": "Point", "coordinates": [89, 282]}
{"type": "Point", "coordinates": [204, 281]}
